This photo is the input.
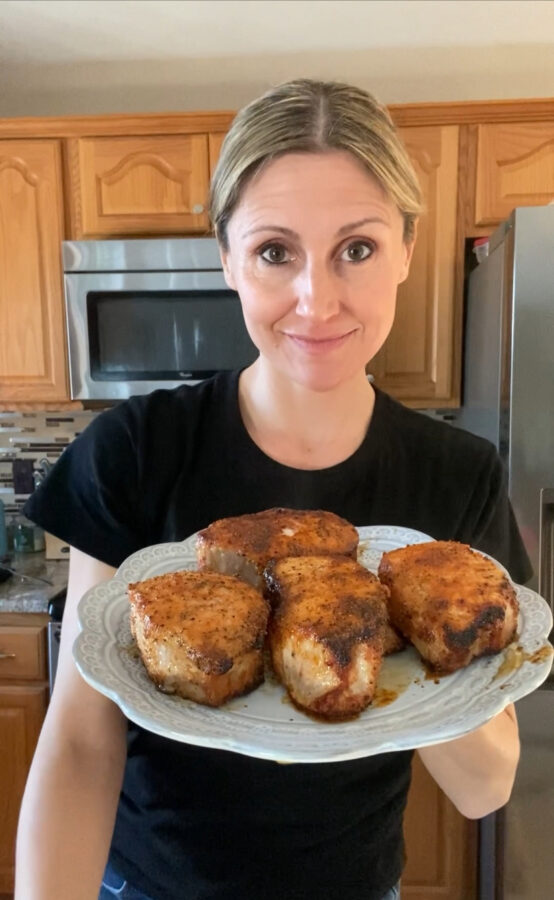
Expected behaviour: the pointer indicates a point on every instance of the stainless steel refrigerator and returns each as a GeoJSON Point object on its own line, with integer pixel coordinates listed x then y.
{"type": "Point", "coordinates": [508, 397]}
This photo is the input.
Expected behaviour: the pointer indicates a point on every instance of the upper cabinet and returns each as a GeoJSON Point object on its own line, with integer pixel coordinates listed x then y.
{"type": "Point", "coordinates": [215, 144]}
{"type": "Point", "coordinates": [148, 175]}
{"type": "Point", "coordinates": [154, 184]}
{"type": "Point", "coordinates": [32, 332]}
{"type": "Point", "coordinates": [515, 167]}
{"type": "Point", "coordinates": [415, 363]}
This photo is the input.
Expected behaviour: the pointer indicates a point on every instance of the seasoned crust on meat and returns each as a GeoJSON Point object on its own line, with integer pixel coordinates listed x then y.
{"type": "Point", "coordinates": [327, 632]}
{"type": "Point", "coordinates": [243, 545]}
{"type": "Point", "coordinates": [394, 641]}
{"type": "Point", "coordinates": [200, 634]}
{"type": "Point", "coordinates": [451, 602]}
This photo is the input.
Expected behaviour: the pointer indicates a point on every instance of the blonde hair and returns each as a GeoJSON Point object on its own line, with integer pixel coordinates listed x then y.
{"type": "Point", "coordinates": [307, 116]}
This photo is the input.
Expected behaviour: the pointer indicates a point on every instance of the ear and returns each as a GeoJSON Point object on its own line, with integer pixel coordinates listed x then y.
{"type": "Point", "coordinates": [227, 268]}
{"type": "Point", "coordinates": [408, 250]}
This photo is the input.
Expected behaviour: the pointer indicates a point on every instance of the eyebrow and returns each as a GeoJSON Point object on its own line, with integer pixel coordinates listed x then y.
{"type": "Point", "coordinates": [344, 229]}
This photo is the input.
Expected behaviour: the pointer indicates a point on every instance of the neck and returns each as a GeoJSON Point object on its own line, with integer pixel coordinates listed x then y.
{"type": "Point", "coordinates": [300, 427]}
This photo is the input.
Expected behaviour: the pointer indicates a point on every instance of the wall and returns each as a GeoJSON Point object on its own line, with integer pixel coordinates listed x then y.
{"type": "Point", "coordinates": [393, 74]}
{"type": "Point", "coordinates": [102, 56]}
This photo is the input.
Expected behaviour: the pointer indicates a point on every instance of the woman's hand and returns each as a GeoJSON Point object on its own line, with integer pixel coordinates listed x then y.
{"type": "Point", "coordinates": [477, 771]}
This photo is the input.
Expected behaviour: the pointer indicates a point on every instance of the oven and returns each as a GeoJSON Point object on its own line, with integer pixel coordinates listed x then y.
{"type": "Point", "coordinates": [147, 314]}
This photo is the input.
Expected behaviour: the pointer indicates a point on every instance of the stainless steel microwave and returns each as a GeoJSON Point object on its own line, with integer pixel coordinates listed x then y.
{"type": "Point", "coordinates": [147, 314]}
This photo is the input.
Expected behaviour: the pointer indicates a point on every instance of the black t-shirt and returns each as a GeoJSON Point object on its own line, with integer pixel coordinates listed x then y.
{"type": "Point", "coordinates": [203, 824]}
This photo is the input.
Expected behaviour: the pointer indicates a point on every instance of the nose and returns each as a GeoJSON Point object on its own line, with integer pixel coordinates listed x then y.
{"type": "Point", "coordinates": [318, 292]}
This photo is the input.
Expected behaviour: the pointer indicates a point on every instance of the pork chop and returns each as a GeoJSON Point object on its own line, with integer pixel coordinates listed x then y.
{"type": "Point", "coordinates": [327, 632]}
{"type": "Point", "coordinates": [451, 602]}
{"type": "Point", "coordinates": [243, 545]}
{"type": "Point", "coordinates": [200, 635]}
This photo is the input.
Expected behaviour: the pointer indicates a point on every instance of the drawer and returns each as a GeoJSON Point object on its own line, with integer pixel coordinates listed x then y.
{"type": "Point", "coordinates": [23, 653]}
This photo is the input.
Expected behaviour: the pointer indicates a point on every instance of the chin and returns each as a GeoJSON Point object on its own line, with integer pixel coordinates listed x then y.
{"type": "Point", "coordinates": [320, 379]}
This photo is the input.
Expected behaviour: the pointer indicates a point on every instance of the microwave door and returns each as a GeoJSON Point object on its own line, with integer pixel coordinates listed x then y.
{"type": "Point", "coordinates": [130, 333]}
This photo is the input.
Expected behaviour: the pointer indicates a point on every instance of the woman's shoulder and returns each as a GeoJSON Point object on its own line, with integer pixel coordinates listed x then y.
{"type": "Point", "coordinates": [428, 436]}
{"type": "Point", "coordinates": [167, 411]}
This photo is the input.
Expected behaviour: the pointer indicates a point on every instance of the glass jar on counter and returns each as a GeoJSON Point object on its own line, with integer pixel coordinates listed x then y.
{"type": "Point", "coordinates": [27, 537]}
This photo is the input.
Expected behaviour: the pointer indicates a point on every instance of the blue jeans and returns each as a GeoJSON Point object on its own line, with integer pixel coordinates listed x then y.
{"type": "Point", "coordinates": [113, 885]}
{"type": "Point", "coordinates": [394, 893]}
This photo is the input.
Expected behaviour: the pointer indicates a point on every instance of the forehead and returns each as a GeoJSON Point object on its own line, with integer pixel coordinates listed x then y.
{"type": "Point", "coordinates": [327, 180]}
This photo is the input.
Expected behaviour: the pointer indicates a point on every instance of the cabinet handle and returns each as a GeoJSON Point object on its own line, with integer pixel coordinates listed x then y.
{"type": "Point", "coordinates": [197, 209]}
{"type": "Point", "coordinates": [6, 655]}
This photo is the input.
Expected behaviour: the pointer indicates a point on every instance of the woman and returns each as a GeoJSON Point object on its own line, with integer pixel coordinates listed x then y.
{"type": "Point", "coordinates": [314, 204]}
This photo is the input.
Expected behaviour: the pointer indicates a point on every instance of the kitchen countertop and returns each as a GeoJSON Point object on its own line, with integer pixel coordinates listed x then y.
{"type": "Point", "coordinates": [18, 595]}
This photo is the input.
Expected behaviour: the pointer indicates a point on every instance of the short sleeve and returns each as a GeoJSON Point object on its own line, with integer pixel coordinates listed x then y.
{"type": "Point", "coordinates": [91, 497]}
{"type": "Point", "coordinates": [490, 524]}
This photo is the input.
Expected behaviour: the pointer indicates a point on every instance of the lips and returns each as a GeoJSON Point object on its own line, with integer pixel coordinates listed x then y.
{"type": "Point", "coordinates": [319, 343]}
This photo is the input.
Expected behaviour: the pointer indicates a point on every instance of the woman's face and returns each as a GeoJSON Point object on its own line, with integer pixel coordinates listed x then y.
{"type": "Point", "coordinates": [316, 253]}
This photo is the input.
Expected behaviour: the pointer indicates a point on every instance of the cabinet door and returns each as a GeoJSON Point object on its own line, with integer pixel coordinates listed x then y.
{"type": "Point", "coordinates": [23, 652]}
{"type": "Point", "coordinates": [415, 363]}
{"type": "Point", "coordinates": [515, 167]}
{"type": "Point", "coordinates": [139, 185]}
{"type": "Point", "coordinates": [440, 844]}
{"type": "Point", "coordinates": [32, 332]}
{"type": "Point", "coordinates": [216, 140]}
{"type": "Point", "coordinates": [22, 711]}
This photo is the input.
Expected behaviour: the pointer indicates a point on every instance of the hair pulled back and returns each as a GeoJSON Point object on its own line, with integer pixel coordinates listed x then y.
{"type": "Point", "coordinates": [307, 116]}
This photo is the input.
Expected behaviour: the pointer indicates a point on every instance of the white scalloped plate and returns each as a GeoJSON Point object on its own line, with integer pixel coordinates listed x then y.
{"type": "Point", "coordinates": [264, 723]}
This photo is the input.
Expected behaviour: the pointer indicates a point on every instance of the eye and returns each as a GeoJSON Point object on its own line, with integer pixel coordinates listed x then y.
{"type": "Point", "coordinates": [274, 254]}
{"type": "Point", "coordinates": [358, 251]}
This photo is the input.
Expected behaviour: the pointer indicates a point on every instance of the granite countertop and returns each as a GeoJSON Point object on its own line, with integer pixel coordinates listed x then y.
{"type": "Point", "coordinates": [19, 595]}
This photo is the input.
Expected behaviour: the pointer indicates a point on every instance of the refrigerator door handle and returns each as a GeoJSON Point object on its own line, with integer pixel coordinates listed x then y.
{"type": "Point", "coordinates": [546, 546]}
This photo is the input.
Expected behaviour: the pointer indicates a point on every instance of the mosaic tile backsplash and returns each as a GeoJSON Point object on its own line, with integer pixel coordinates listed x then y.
{"type": "Point", "coordinates": [34, 436]}
{"type": "Point", "coordinates": [37, 436]}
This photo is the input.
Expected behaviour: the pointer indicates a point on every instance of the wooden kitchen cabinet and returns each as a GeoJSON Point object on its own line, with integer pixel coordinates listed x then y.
{"type": "Point", "coordinates": [416, 362]}
{"type": "Point", "coordinates": [215, 144]}
{"type": "Point", "coordinates": [23, 702]}
{"type": "Point", "coordinates": [441, 845]}
{"type": "Point", "coordinates": [515, 167]}
{"type": "Point", "coordinates": [32, 330]}
{"type": "Point", "coordinates": [144, 185]}
{"type": "Point", "coordinates": [147, 175]}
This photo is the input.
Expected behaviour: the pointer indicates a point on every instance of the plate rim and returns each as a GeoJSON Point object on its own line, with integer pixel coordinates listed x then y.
{"type": "Point", "coordinates": [119, 583]}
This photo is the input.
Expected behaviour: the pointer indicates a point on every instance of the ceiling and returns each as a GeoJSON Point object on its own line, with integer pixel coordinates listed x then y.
{"type": "Point", "coordinates": [76, 56]}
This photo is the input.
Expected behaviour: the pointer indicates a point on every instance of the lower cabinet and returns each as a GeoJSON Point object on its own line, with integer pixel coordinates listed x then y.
{"type": "Point", "coordinates": [441, 845]}
{"type": "Point", "coordinates": [23, 702]}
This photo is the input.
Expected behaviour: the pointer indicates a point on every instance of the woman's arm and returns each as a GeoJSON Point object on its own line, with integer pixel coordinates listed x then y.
{"type": "Point", "coordinates": [71, 796]}
{"type": "Point", "coordinates": [477, 771]}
